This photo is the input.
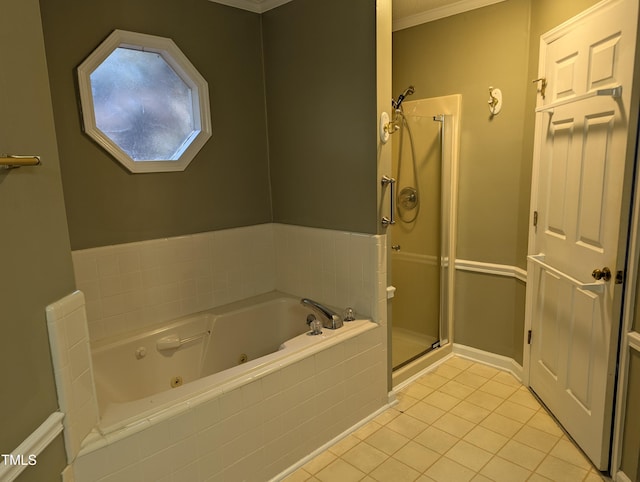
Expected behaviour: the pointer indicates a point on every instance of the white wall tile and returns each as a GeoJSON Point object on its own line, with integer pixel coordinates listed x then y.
{"type": "Point", "coordinates": [69, 340]}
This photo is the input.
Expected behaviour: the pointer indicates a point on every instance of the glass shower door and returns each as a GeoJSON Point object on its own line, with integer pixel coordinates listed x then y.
{"type": "Point", "coordinates": [417, 264]}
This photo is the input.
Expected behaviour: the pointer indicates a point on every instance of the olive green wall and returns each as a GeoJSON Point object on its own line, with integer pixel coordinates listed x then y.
{"type": "Point", "coordinates": [35, 268]}
{"type": "Point", "coordinates": [321, 102]}
{"type": "Point", "coordinates": [227, 183]}
{"type": "Point", "coordinates": [492, 46]}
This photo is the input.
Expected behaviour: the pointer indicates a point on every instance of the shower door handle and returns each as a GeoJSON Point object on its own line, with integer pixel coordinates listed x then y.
{"type": "Point", "coordinates": [386, 221]}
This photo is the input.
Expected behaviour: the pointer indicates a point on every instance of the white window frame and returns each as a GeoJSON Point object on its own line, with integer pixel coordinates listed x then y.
{"type": "Point", "coordinates": [182, 67]}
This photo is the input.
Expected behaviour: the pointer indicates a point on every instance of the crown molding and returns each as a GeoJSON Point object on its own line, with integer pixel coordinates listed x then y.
{"type": "Point", "coordinates": [255, 6]}
{"type": "Point", "coordinates": [440, 12]}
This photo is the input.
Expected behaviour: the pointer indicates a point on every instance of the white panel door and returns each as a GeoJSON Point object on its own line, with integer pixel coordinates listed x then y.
{"type": "Point", "coordinates": [580, 164]}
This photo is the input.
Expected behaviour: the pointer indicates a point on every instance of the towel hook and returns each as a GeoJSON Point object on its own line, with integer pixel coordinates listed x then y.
{"type": "Point", "coordinates": [495, 101]}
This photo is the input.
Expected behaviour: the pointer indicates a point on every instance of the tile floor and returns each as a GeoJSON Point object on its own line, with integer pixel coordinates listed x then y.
{"type": "Point", "coordinates": [464, 421]}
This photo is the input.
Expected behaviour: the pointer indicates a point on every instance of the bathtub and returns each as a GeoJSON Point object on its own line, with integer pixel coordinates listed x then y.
{"type": "Point", "coordinates": [188, 361]}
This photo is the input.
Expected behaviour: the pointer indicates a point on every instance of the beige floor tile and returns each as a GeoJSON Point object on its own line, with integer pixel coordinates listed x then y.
{"type": "Point", "coordinates": [454, 425]}
{"type": "Point", "coordinates": [299, 475]}
{"type": "Point", "coordinates": [424, 478]}
{"type": "Point", "coordinates": [345, 444]}
{"type": "Point", "coordinates": [447, 470]}
{"type": "Point", "coordinates": [441, 400]}
{"type": "Point", "coordinates": [425, 412]}
{"type": "Point", "coordinates": [394, 470]}
{"type": "Point", "coordinates": [436, 440]}
{"type": "Point", "coordinates": [560, 471]}
{"type": "Point", "coordinates": [469, 455]}
{"type": "Point", "coordinates": [486, 439]}
{"type": "Point", "coordinates": [469, 411]}
{"type": "Point", "coordinates": [365, 457]}
{"type": "Point", "coordinates": [416, 456]}
{"type": "Point", "coordinates": [498, 389]}
{"type": "Point", "coordinates": [470, 379]}
{"type": "Point", "coordinates": [538, 478]}
{"type": "Point", "coordinates": [483, 370]}
{"type": "Point", "coordinates": [456, 389]}
{"type": "Point", "coordinates": [515, 411]}
{"type": "Point", "coordinates": [459, 362]}
{"type": "Point", "coordinates": [418, 391]}
{"type": "Point", "coordinates": [542, 421]}
{"type": "Point", "coordinates": [319, 462]}
{"type": "Point", "coordinates": [484, 400]}
{"type": "Point", "coordinates": [481, 478]}
{"type": "Point", "coordinates": [536, 438]}
{"type": "Point", "coordinates": [404, 402]}
{"type": "Point", "coordinates": [407, 425]}
{"type": "Point", "coordinates": [447, 371]}
{"type": "Point", "coordinates": [367, 429]}
{"type": "Point", "coordinates": [523, 397]}
{"type": "Point", "coordinates": [340, 470]}
{"type": "Point", "coordinates": [567, 451]}
{"type": "Point", "coordinates": [387, 440]}
{"type": "Point", "coordinates": [502, 470]}
{"type": "Point", "coordinates": [386, 416]}
{"type": "Point", "coordinates": [508, 379]}
{"type": "Point", "coordinates": [432, 380]}
{"type": "Point", "coordinates": [594, 476]}
{"type": "Point", "coordinates": [501, 424]}
{"type": "Point", "coordinates": [521, 454]}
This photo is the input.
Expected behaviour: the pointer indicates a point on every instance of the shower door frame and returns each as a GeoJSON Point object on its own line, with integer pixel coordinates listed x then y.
{"type": "Point", "coordinates": [449, 106]}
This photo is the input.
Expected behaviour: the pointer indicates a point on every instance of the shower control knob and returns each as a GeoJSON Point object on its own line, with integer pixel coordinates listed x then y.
{"type": "Point", "coordinates": [396, 247]}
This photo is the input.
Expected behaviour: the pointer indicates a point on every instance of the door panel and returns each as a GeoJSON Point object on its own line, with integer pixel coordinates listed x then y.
{"type": "Point", "coordinates": [580, 166]}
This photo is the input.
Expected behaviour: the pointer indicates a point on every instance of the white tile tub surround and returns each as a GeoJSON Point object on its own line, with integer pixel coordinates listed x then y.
{"type": "Point", "coordinates": [253, 431]}
{"type": "Point", "coordinates": [337, 268]}
{"type": "Point", "coordinates": [135, 285]}
{"type": "Point", "coordinates": [70, 353]}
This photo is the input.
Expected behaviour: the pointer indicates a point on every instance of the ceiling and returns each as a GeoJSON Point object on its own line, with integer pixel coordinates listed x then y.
{"type": "Point", "coordinates": [406, 13]}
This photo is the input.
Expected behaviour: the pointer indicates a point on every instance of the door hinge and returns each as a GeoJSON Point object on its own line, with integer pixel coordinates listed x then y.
{"type": "Point", "coordinates": [535, 219]}
{"type": "Point", "coordinates": [529, 337]}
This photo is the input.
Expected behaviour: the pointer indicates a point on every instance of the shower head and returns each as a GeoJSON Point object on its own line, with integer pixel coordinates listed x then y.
{"type": "Point", "coordinates": [408, 91]}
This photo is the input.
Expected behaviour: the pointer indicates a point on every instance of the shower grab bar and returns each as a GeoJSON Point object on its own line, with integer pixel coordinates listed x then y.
{"type": "Point", "coordinates": [386, 180]}
{"type": "Point", "coordinates": [539, 260]}
{"type": "Point", "coordinates": [614, 92]}
{"type": "Point", "coordinates": [10, 161]}
{"type": "Point", "coordinates": [173, 342]}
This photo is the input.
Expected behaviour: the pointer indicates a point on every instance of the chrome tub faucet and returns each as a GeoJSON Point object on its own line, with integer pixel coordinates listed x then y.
{"type": "Point", "coordinates": [330, 319]}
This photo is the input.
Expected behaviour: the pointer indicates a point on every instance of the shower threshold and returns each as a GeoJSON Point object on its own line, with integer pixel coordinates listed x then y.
{"type": "Point", "coordinates": [408, 346]}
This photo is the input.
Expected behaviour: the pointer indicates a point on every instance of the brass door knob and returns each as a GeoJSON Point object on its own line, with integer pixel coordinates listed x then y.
{"type": "Point", "coordinates": [604, 274]}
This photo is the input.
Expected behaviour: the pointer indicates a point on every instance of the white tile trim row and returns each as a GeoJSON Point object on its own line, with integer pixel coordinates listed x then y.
{"type": "Point", "coordinates": [34, 444]}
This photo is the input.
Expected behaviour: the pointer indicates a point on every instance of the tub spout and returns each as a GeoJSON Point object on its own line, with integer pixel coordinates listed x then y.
{"type": "Point", "coordinates": [330, 319]}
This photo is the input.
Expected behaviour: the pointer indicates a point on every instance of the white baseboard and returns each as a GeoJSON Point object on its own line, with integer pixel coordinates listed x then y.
{"type": "Point", "coordinates": [33, 445]}
{"type": "Point", "coordinates": [497, 361]}
{"type": "Point", "coordinates": [621, 477]}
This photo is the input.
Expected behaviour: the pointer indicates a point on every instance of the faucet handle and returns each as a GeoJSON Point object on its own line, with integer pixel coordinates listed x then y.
{"type": "Point", "coordinates": [314, 324]}
{"type": "Point", "coordinates": [349, 314]}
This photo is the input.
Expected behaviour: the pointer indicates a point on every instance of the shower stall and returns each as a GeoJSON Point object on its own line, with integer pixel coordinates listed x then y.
{"type": "Point", "coordinates": [422, 239]}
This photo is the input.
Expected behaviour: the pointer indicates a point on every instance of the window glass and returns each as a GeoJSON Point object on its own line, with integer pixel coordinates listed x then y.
{"type": "Point", "coordinates": [142, 104]}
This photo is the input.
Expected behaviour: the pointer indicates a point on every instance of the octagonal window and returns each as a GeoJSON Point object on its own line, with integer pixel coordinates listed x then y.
{"type": "Point", "coordinates": [144, 102]}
